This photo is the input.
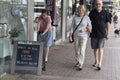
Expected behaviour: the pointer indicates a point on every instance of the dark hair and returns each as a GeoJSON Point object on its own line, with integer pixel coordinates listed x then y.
{"type": "Point", "coordinates": [44, 11]}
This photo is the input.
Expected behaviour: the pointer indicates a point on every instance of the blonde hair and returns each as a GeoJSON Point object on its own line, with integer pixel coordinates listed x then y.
{"type": "Point", "coordinates": [82, 7]}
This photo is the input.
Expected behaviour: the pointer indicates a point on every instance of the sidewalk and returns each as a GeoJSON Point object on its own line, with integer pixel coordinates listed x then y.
{"type": "Point", "coordinates": [61, 64]}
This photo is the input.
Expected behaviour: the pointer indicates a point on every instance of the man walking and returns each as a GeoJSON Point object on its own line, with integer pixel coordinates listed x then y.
{"type": "Point", "coordinates": [100, 31]}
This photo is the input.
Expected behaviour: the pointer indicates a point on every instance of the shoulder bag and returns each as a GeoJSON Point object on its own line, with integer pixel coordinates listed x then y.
{"type": "Point", "coordinates": [75, 30]}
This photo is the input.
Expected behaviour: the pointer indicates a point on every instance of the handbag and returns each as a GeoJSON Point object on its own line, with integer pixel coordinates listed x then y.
{"type": "Point", "coordinates": [72, 39]}
{"type": "Point", "coordinates": [72, 36]}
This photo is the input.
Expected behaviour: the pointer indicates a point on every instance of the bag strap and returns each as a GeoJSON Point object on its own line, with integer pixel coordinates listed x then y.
{"type": "Point", "coordinates": [78, 24]}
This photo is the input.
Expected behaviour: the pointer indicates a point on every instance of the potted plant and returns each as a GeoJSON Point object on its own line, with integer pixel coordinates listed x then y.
{"type": "Point", "coordinates": [14, 33]}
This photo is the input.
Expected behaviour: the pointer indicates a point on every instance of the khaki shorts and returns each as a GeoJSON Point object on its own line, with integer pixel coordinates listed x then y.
{"type": "Point", "coordinates": [97, 43]}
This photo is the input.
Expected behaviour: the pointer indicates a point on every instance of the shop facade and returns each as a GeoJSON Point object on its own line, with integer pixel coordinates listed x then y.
{"type": "Point", "coordinates": [20, 14]}
{"type": "Point", "coordinates": [13, 17]}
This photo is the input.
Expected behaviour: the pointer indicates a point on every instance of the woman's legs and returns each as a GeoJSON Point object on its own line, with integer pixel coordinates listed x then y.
{"type": "Point", "coordinates": [48, 42]}
{"type": "Point", "coordinates": [46, 52]}
{"type": "Point", "coordinates": [80, 46]}
{"type": "Point", "coordinates": [83, 43]}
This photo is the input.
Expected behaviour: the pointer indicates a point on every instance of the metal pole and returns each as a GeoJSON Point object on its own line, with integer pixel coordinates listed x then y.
{"type": "Point", "coordinates": [30, 31]}
{"type": "Point", "coordinates": [64, 19]}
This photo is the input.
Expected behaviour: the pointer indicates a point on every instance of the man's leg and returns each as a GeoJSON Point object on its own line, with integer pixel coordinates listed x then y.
{"type": "Point", "coordinates": [94, 44]}
{"type": "Point", "coordinates": [96, 57]}
{"type": "Point", "coordinates": [100, 57]}
{"type": "Point", "coordinates": [100, 52]}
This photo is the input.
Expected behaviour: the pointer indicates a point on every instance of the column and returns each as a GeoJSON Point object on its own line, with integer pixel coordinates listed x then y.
{"type": "Point", "coordinates": [30, 20]}
{"type": "Point", "coordinates": [64, 19]}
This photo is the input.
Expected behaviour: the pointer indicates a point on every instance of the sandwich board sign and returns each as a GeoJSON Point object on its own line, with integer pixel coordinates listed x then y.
{"type": "Point", "coordinates": [27, 55]}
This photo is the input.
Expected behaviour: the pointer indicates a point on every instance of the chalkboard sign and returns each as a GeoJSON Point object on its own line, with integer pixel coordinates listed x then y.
{"type": "Point", "coordinates": [27, 55]}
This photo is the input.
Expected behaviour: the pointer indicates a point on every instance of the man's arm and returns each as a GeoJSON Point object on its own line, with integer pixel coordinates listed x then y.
{"type": "Point", "coordinates": [108, 30]}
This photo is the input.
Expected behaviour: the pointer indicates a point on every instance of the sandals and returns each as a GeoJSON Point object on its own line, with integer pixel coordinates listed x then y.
{"type": "Point", "coordinates": [97, 66]}
{"type": "Point", "coordinates": [94, 65]}
{"type": "Point", "coordinates": [79, 69]}
{"type": "Point", "coordinates": [78, 66]}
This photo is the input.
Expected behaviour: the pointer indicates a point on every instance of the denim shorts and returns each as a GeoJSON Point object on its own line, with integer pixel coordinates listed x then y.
{"type": "Point", "coordinates": [47, 39]}
{"type": "Point", "coordinates": [97, 43]}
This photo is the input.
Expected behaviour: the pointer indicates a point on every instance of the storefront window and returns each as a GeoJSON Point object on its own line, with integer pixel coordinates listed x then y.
{"type": "Point", "coordinates": [57, 21]}
{"type": "Point", "coordinates": [13, 14]}
{"type": "Point", "coordinates": [19, 12]}
{"type": "Point", "coordinates": [69, 15]}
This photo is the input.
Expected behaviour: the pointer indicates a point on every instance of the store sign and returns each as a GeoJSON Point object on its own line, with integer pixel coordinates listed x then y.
{"type": "Point", "coordinates": [50, 6]}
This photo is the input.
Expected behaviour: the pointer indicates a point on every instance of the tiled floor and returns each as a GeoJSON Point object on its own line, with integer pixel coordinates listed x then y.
{"type": "Point", "coordinates": [61, 63]}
